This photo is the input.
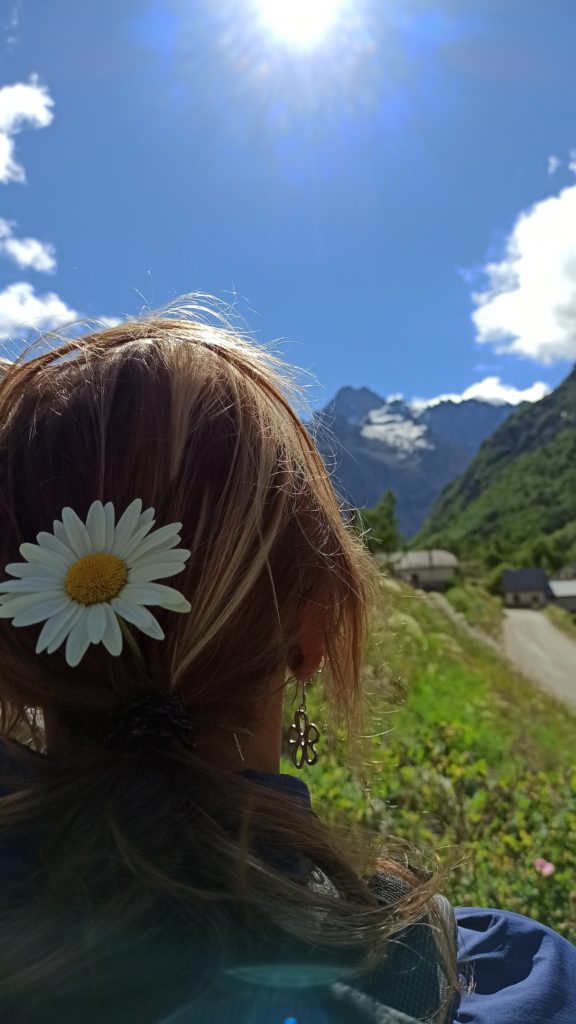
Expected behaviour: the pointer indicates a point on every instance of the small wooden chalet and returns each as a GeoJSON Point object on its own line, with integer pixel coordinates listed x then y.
{"type": "Point", "coordinates": [526, 588]}
{"type": "Point", "coordinates": [428, 570]}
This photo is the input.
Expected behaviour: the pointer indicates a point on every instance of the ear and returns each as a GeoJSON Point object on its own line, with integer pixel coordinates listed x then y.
{"type": "Point", "coordinates": [310, 641]}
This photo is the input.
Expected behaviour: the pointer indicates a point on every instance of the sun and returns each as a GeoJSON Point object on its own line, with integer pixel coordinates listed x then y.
{"type": "Point", "coordinates": [299, 23]}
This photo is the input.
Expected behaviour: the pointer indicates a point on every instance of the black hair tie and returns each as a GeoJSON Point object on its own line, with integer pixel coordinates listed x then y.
{"type": "Point", "coordinates": [151, 721]}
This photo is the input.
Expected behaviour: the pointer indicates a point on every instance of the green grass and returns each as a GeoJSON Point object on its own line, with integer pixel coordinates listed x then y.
{"type": "Point", "coordinates": [475, 766]}
{"type": "Point", "coordinates": [478, 607]}
{"type": "Point", "coordinates": [565, 621]}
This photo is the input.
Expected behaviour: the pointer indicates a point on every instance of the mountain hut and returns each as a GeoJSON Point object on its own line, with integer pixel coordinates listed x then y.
{"type": "Point", "coordinates": [526, 588]}
{"type": "Point", "coordinates": [428, 570]}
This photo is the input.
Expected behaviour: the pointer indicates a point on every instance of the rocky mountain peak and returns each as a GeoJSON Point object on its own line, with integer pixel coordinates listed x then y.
{"type": "Point", "coordinates": [353, 404]}
{"type": "Point", "coordinates": [414, 449]}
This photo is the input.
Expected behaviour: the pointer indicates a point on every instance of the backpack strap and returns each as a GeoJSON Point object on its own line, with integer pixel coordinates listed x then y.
{"type": "Point", "coordinates": [413, 977]}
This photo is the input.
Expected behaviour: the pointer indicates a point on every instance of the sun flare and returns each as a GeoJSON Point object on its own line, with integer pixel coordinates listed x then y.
{"type": "Point", "coordinates": [299, 23]}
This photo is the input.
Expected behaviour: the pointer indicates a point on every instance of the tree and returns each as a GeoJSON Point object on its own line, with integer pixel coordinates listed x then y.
{"type": "Point", "coordinates": [494, 580]}
{"type": "Point", "coordinates": [382, 525]}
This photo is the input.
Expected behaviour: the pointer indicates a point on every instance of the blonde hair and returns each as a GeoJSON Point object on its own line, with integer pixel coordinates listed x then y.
{"type": "Point", "coordinates": [195, 420]}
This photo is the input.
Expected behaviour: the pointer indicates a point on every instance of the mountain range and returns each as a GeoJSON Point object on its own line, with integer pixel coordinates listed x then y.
{"type": "Point", "coordinates": [516, 501]}
{"type": "Point", "coordinates": [371, 443]}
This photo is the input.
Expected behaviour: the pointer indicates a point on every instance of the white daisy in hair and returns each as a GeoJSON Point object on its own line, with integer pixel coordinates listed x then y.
{"type": "Point", "coordinates": [83, 578]}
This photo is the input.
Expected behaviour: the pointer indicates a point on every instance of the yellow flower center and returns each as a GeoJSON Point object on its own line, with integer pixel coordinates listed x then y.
{"type": "Point", "coordinates": [95, 578]}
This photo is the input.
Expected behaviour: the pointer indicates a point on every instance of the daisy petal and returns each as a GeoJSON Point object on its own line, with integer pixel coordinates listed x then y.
{"type": "Point", "coordinates": [156, 594]}
{"type": "Point", "coordinates": [59, 532]}
{"type": "Point", "coordinates": [48, 540]}
{"type": "Point", "coordinates": [152, 627]}
{"type": "Point", "coordinates": [110, 520]}
{"type": "Point", "coordinates": [112, 638]}
{"type": "Point", "coordinates": [77, 642]}
{"type": "Point", "coordinates": [164, 557]}
{"type": "Point", "coordinates": [12, 606]}
{"type": "Point", "coordinates": [166, 536]}
{"type": "Point", "coordinates": [134, 540]}
{"type": "Point", "coordinates": [134, 613]}
{"type": "Point", "coordinates": [31, 585]}
{"type": "Point", "coordinates": [25, 569]}
{"type": "Point", "coordinates": [43, 610]}
{"type": "Point", "coordinates": [126, 525]}
{"type": "Point", "coordinates": [146, 517]}
{"type": "Point", "coordinates": [54, 625]}
{"type": "Point", "coordinates": [96, 525]}
{"type": "Point", "coordinates": [41, 556]}
{"type": "Point", "coordinates": [67, 625]}
{"type": "Point", "coordinates": [154, 571]}
{"type": "Point", "coordinates": [96, 623]}
{"type": "Point", "coordinates": [139, 617]}
{"type": "Point", "coordinates": [78, 536]}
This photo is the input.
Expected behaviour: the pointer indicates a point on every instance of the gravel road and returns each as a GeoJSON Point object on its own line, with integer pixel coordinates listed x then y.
{"type": "Point", "coordinates": [532, 644]}
{"type": "Point", "coordinates": [541, 652]}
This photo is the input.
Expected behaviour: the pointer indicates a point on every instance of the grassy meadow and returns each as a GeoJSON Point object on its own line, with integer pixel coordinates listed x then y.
{"type": "Point", "coordinates": [478, 606]}
{"type": "Point", "coordinates": [473, 766]}
{"type": "Point", "coordinates": [566, 621]}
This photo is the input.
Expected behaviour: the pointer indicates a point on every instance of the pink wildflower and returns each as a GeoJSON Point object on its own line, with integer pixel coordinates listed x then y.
{"type": "Point", "coordinates": [545, 867]}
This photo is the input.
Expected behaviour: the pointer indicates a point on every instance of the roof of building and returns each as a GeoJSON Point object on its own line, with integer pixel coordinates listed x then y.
{"type": "Point", "coordinates": [413, 561]}
{"type": "Point", "coordinates": [516, 580]}
{"type": "Point", "coordinates": [563, 588]}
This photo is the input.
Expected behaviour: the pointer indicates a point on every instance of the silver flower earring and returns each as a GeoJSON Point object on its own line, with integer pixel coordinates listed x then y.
{"type": "Point", "coordinates": [304, 736]}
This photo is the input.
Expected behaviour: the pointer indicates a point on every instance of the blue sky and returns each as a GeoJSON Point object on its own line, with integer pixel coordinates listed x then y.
{"type": "Point", "coordinates": [353, 195]}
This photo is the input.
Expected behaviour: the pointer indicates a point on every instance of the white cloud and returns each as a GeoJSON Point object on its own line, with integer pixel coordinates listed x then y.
{"type": "Point", "coordinates": [22, 105]}
{"type": "Point", "coordinates": [104, 322]}
{"type": "Point", "coordinates": [491, 390]}
{"type": "Point", "coordinates": [22, 310]}
{"type": "Point", "coordinates": [27, 253]}
{"type": "Point", "coordinates": [553, 164]}
{"type": "Point", "coordinates": [529, 305]}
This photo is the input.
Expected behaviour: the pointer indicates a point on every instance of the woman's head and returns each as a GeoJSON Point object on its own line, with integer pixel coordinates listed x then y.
{"type": "Point", "coordinates": [195, 421]}
{"type": "Point", "coordinates": [151, 859]}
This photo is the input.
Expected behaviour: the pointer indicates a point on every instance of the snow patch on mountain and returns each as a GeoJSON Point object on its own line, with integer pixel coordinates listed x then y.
{"type": "Point", "coordinates": [395, 430]}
